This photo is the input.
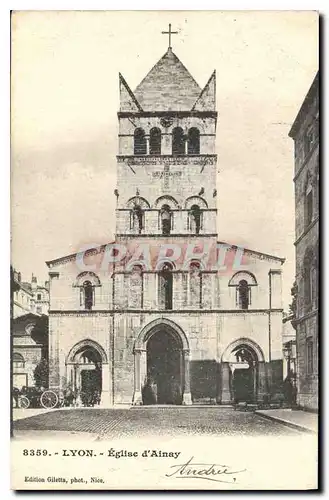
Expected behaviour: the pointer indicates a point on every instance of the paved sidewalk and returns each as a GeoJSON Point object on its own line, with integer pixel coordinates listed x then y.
{"type": "Point", "coordinates": [19, 413]}
{"type": "Point", "coordinates": [298, 419]}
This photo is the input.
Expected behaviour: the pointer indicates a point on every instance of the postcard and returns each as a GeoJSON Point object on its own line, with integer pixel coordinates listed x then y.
{"type": "Point", "coordinates": [164, 265]}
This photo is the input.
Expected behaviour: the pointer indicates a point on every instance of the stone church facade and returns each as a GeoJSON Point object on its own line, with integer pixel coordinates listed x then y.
{"type": "Point", "coordinates": [181, 318]}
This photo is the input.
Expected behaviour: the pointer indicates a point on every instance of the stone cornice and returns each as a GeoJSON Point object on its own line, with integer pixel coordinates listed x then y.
{"type": "Point", "coordinates": [112, 312]}
{"type": "Point", "coordinates": [307, 230]}
{"type": "Point", "coordinates": [164, 237]}
{"type": "Point", "coordinates": [101, 248]}
{"type": "Point", "coordinates": [306, 316]}
{"type": "Point", "coordinates": [166, 133]}
{"type": "Point", "coordinates": [248, 251]}
{"type": "Point", "coordinates": [168, 159]}
{"type": "Point", "coordinates": [75, 312]}
{"type": "Point", "coordinates": [73, 256]}
{"type": "Point", "coordinates": [174, 271]}
{"type": "Point", "coordinates": [28, 346]}
{"type": "Point", "coordinates": [307, 159]}
{"type": "Point", "coordinates": [171, 114]}
{"type": "Point", "coordinates": [172, 210]}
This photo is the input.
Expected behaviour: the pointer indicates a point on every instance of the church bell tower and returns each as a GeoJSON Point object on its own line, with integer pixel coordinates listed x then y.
{"type": "Point", "coordinates": [166, 169]}
{"type": "Point", "coordinates": [166, 194]}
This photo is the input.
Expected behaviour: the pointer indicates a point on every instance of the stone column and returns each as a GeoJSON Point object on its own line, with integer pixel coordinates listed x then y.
{"type": "Point", "coordinates": [187, 399]}
{"type": "Point", "coordinates": [262, 385]}
{"type": "Point", "coordinates": [137, 398]}
{"type": "Point", "coordinates": [106, 396]}
{"type": "Point", "coordinates": [225, 383]}
{"type": "Point", "coordinates": [77, 385]}
{"type": "Point", "coordinates": [142, 367]}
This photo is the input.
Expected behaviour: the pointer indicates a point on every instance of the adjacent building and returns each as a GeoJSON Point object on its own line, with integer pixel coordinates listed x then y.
{"type": "Point", "coordinates": [168, 330]}
{"type": "Point", "coordinates": [30, 296]}
{"type": "Point", "coordinates": [305, 133]}
{"type": "Point", "coordinates": [30, 304]}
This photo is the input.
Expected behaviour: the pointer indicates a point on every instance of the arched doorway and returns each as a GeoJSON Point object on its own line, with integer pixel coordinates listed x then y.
{"type": "Point", "coordinates": [162, 365]}
{"type": "Point", "coordinates": [85, 372]}
{"type": "Point", "coordinates": [164, 379]}
{"type": "Point", "coordinates": [243, 377]}
{"type": "Point", "coordinates": [88, 379]}
{"type": "Point", "coordinates": [244, 368]}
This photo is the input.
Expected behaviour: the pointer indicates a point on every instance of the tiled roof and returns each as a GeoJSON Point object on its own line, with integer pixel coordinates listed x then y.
{"type": "Point", "coordinates": [168, 86]}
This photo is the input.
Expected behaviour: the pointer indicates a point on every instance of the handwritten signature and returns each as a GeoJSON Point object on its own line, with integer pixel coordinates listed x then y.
{"type": "Point", "coordinates": [210, 471]}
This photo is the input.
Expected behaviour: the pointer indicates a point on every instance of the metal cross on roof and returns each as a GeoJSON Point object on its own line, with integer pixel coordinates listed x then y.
{"type": "Point", "coordinates": [169, 33]}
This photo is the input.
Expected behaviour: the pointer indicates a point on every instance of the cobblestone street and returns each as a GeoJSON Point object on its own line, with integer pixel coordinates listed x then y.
{"type": "Point", "coordinates": [154, 421]}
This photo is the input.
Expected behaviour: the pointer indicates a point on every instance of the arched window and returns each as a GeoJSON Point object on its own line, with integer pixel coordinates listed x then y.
{"type": "Point", "coordinates": [139, 142]}
{"type": "Point", "coordinates": [155, 141]}
{"type": "Point", "coordinates": [137, 219]}
{"type": "Point", "coordinates": [195, 219]}
{"type": "Point", "coordinates": [244, 282]}
{"type": "Point", "coordinates": [18, 361]}
{"type": "Point", "coordinates": [195, 284]}
{"type": "Point", "coordinates": [87, 295]}
{"type": "Point", "coordinates": [193, 144]}
{"type": "Point", "coordinates": [86, 282]}
{"type": "Point", "coordinates": [165, 287]}
{"type": "Point", "coordinates": [243, 294]}
{"type": "Point", "coordinates": [308, 202]}
{"type": "Point", "coordinates": [165, 215]}
{"type": "Point", "coordinates": [166, 200]}
{"type": "Point", "coordinates": [178, 141]}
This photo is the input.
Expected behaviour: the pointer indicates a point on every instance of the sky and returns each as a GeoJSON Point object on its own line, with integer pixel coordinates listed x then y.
{"type": "Point", "coordinates": [64, 103]}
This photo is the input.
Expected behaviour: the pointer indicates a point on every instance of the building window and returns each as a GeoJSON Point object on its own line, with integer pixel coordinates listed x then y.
{"type": "Point", "coordinates": [155, 141]}
{"type": "Point", "coordinates": [243, 295]}
{"type": "Point", "coordinates": [165, 287]}
{"type": "Point", "coordinates": [39, 297]}
{"type": "Point", "coordinates": [309, 356]}
{"type": "Point", "coordinates": [178, 142]}
{"type": "Point", "coordinates": [137, 219]}
{"type": "Point", "coordinates": [195, 218]}
{"type": "Point", "coordinates": [39, 310]}
{"type": "Point", "coordinates": [166, 216]}
{"type": "Point", "coordinates": [193, 143]}
{"type": "Point", "coordinates": [243, 281]}
{"type": "Point", "coordinates": [308, 201]}
{"type": "Point", "coordinates": [18, 361]}
{"type": "Point", "coordinates": [86, 282]}
{"type": "Point", "coordinates": [139, 142]}
{"type": "Point", "coordinates": [87, 295]}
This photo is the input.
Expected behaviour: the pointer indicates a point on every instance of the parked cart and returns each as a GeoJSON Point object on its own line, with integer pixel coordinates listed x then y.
{"type": "Point", "coordinates": [35, 397]}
